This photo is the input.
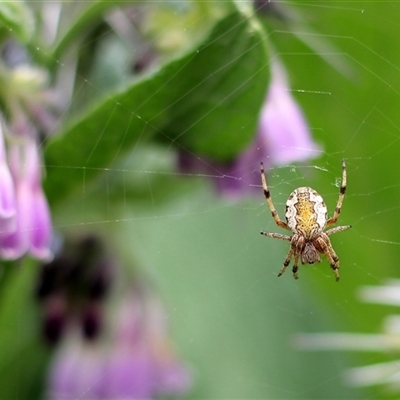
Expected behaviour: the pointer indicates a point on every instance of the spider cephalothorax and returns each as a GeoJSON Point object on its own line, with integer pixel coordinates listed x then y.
{"type": "Point", "coordinates": [307, 217]}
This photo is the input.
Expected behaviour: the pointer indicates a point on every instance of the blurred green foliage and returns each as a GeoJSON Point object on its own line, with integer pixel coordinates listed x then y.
{"type": "Point", "coordinates": [111, 169]}
{"type": "Point", "coordinates": [193, 94]}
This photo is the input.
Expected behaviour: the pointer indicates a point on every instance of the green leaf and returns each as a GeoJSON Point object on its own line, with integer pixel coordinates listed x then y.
{"type": "Point", "coordinates": [17, 18]}
{"type": "Point", "coordinates": [223, 87]}
{"type": "Point", "coordinates": [207, 101]}
{"type": "Point", "coordinates": [23, 353]}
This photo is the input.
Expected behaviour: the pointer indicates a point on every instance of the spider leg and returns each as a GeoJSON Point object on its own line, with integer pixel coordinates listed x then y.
{"type": "Point", "coordinates": [342, 191]}
{"type": "Point", "coordinates": [268, 198]}
{"type": "Point", "coordinates": [337, 229]}
{"type": "Point", "coordinates": [287, 261]}
{"type": "Point", "coordinates": [296, 266]}
{"type": "Point", "coordinates": [333, 261]}
{"type": "Point", "coordinates": [324, 245]}
{"type": "Point", "coordinates": [276, 236]}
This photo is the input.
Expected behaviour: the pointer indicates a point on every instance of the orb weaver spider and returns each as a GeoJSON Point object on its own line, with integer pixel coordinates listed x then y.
{"type": "Point", "coordinates": [307, 217]}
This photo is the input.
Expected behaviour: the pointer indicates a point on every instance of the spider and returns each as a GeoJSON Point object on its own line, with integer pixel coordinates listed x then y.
{"type": "Point", "coordinates": [307, 217]}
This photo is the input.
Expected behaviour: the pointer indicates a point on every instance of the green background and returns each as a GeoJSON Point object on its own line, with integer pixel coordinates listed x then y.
{"type": "Point", "coordinates": [231, 318]}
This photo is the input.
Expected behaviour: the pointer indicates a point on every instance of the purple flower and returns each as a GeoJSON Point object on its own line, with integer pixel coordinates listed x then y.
{"type": "Point", "coordinates": [25, 222]}
{"type": "Point", "coordinates": [7, 192]}
{"type": "Point", "coordinates": [282, 138]}
{"type": "Point", "coordinates": [135, 361]}
{"type": "Point", "coordinates": [143, 364]}
{"type": "Point", "coordinates": [283, 129]}
{"type": "Point", "coordinates": [129, 373]}
{"type": "Point", "coordinates": [32, 232]}
{"type": "Point", "coordinates": [76, 371]}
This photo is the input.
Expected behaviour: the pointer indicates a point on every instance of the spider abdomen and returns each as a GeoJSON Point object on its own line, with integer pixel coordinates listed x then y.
{"type": "Point", "coordinates": [306, 212]}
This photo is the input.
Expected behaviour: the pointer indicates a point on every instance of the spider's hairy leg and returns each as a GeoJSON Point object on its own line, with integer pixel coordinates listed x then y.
{"type": "Point", "coordinates": [337, 229]}
{"type": "Point", "coordinates": [333, 261]}
{"type": "Point", "coordinates": [342, 191]}
{"type": "Point", "coordinates": [287, 261]}
{"type": "Point", "coordinates": [325, 247]}
{"type": "Point", "coordinates": [268, 198]}
{"type": "Point", "coordinates": [276, 236]}
{"type": "Point", "coordinates": [296, 266]}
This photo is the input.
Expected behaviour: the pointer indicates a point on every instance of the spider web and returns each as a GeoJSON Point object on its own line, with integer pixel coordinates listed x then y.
{"type": "Point", "coordinates": [217, 275]}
